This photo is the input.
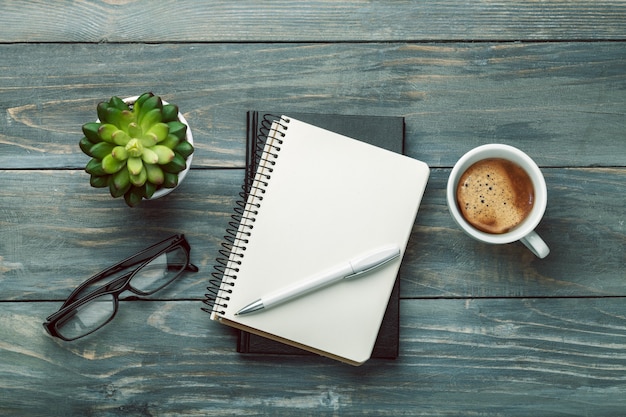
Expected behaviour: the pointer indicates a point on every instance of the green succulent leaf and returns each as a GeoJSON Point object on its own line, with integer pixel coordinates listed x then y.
{"type": "Point", "coordinates": [90, 130]}
{"type": "Point", "coordinates": [120, 138]}
{"type": "Point", "coordinates": [133, 197]}
{"type": "Point", "coordinates": [177, 165]}
{"type": "Point", "coordinates": [148, 189]}
{"type": "Point", "coordinates": [85, 145]}
{"type": "Point", "coordinates": [102, 111]}
{"type": "Point", "coordinates": [135, 165]}
{"type": "Point", "coordinates": [149, 156]}
{"type": "Point", "coordinates": [126, 118]}
{"type": "Point", "coordinates": [106, 132]}
{"type": "Point", "coordinates": [139, 102]}
{"type": "Point", "coordinates": [144, 97]}
{"type": "Point", "coordinates": [134, 130]}
{"type": "Point", "coordinates": [178, 129]}
{"type": "Point", "coordinates": [150, 104]}
{"type": "Point", "coordinates": [169, 180]}
{"type": "Point", "coordinates": [155, 174]}
{"type": "Point", "coordinates": [139, 179]}
{"type": "Point", "coordinates": [118, 103]}
{"type": "Point", "coordinates": [184, 148]}
{"type": "Point", "coordinates": [149, 139]}
{"type": "Point", "coordinates": [161, 130]}
{"type": "Point", "coordinates": [99, 181]}
{"type": "Point", "coordinates": [100, 150]}
{"type": "Point", "coordinates": [111, 165]}
{"type": "Point", "coordinates": [165, 154]}
{"type": "Point", "coordinates": [112, 115]}
{"type": "Point", "coordinates": [152, 117]}
{"type": "Point", "coordinates": [170, 113]}
{"type": "Point", "coordinates": [120, 153]}
{"type": "Point", "coordinates": [120, 183]}
{"type": "Point", "coordinates": [170, 141]}
{"type": "Point", "coordinates": [94, 167]}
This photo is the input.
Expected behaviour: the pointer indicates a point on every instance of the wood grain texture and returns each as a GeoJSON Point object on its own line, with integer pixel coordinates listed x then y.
{"type": "Point", "coordinates": [50, 215]}
{"type": "Point", "coordinates": [485, 331]}
{"type": "Point", "coordinates": [563, 103]}
{"type": "Point", "coordinates": [320, 20]}
{"type": "Point", "coordinates": [522, 357]}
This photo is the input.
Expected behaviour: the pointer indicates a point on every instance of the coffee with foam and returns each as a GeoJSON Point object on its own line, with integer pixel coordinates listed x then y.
{"type": "Point", "coordinates": [494, 195]}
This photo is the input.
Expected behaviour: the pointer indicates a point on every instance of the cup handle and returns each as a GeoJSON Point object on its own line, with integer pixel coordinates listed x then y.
{"type": "Point", "coordinates": [536, 244]}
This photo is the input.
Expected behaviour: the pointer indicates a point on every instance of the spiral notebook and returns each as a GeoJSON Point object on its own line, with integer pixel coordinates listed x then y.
{"type": "Point", "coordinates": [317, 200]}
{"type": "Point", "coordinates": [386, 132]}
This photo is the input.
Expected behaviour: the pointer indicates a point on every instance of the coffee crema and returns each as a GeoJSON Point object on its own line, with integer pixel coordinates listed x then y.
{"type": "Point", "coordinates": [495, 195]}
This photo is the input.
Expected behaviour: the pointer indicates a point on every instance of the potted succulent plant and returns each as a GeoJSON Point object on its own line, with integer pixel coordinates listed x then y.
{"type": "Point", "coordinates": [140, 147]}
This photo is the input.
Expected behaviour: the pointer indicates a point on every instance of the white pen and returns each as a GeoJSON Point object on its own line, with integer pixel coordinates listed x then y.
{"type": "Point", "coordinates": [352, 269]}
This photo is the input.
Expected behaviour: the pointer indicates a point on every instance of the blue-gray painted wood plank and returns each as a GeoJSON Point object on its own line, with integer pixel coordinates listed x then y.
{"type": "Point", "coordinates": [563, 103]}
{"type": "Point", "coordinates": [317, 20]}
{"type": "Point", "coordinates": [56, 231]}
{"type": "Point", "coordinates": [512, 357]}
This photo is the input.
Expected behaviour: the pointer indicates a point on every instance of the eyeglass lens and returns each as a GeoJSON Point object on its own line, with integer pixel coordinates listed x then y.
{"type": "Point", "coordinates": [160, 271]}
{"type": "Point", "coordinates": [150, 278]}
{"type": "Point", "coordinates": [87, 317]}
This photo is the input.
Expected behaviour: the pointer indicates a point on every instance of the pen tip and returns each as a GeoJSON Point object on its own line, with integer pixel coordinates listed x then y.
{"type": "Point", "coordinates": [255, 306]}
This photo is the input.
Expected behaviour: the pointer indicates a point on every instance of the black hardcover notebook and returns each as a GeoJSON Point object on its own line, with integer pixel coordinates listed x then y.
{"type": "Point", "coordinates": [382, 131]}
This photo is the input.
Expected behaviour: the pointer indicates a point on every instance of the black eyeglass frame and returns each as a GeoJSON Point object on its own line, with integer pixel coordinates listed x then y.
{"type": "Point", "coordinates": [119, 284]}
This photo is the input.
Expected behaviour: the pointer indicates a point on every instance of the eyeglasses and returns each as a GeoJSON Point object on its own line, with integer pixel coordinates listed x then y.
{"type": "Point", "coordinates": [95, 302]}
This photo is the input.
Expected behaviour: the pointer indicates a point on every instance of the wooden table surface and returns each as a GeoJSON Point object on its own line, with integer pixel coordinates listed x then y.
{"type": "Point", "coordinates": [485, 331]}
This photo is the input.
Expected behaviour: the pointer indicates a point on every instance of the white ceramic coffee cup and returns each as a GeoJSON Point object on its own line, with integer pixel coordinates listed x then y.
{"type": "Point", "coordinates": [525, 231]}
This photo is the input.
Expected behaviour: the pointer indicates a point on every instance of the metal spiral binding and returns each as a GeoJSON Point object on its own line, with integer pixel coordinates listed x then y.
{"type": "Point", "coordinates": [240, 228]}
